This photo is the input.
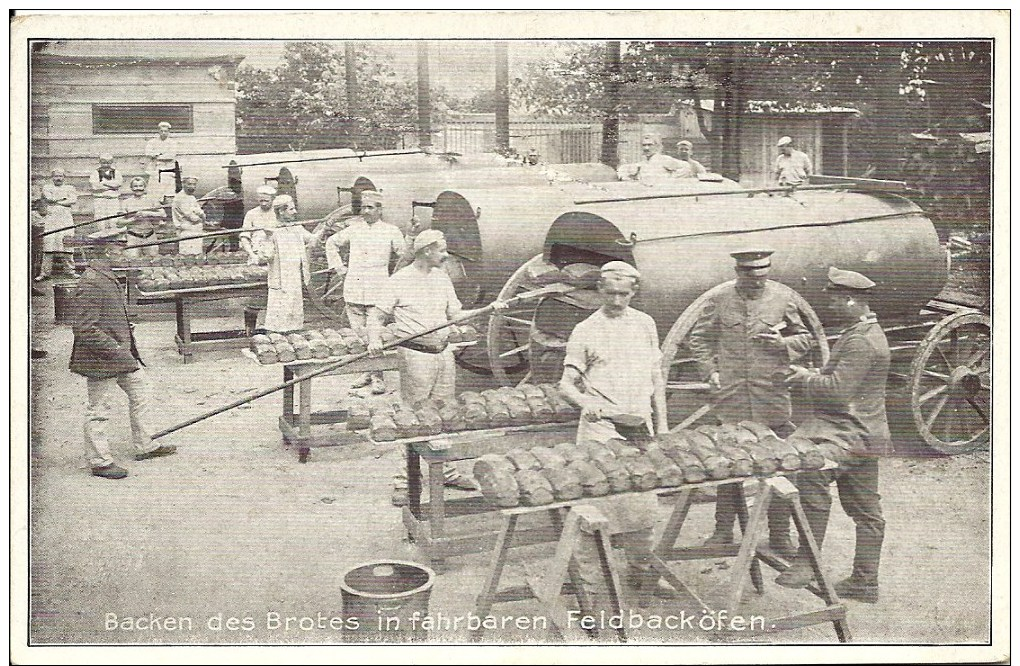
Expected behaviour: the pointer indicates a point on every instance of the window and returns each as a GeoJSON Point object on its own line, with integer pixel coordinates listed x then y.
{"type": "Point", "coordinates": [140, 118]}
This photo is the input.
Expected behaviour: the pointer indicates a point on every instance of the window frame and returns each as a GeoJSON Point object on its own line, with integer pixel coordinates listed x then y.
{"type": "Point", "coordinates": [150, 127]}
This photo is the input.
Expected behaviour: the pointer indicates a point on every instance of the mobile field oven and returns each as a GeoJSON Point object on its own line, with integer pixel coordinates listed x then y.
{"type": "Point", "coordinates": [681, 243]}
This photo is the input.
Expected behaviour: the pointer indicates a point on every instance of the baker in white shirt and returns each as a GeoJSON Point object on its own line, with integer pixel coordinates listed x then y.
{"type": "Point", "coordinates": [162, 154]}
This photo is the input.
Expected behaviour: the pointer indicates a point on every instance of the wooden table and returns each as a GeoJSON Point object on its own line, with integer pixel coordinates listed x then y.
{"type": "Point", "coordinates": [426, 522]}
{"type": "Point", "coordinates": [296, 425]}
{"type": "Point", "coordinates": [186, 299]}
{"type": "Point", "coordinates": [748, 554]}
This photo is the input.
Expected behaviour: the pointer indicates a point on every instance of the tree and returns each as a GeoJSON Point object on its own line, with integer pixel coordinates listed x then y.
{"type": "Point", "coordinates": [302, 103]}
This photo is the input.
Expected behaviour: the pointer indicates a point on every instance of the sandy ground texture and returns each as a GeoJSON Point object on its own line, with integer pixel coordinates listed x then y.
{"type": "Point", "coordinates": [233, 526]}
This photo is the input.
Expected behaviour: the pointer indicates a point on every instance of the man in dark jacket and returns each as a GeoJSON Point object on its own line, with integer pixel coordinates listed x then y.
{"type": "Point", "coordinates": [850, 426]}
{"type": "Point", "coordinates": [105, 354]}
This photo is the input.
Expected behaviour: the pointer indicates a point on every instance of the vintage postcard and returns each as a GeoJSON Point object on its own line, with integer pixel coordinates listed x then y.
{"type": "Point", "coordinates": [482, 336]}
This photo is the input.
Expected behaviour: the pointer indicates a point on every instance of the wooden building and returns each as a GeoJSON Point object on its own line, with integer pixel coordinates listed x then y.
{"type": "Point", "coordinates": [90, 97]}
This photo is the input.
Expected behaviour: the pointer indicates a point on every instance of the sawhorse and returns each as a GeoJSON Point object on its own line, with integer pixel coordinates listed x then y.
{"type": "Point", "coordinates": [561, 572]}
{"type": "Point", "coordinates": [749, 555]}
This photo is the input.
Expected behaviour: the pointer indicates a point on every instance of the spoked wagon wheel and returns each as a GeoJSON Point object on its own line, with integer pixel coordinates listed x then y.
{"type": "Point", "coordinates": [325, 288]}
{"type": "Point", "coordinates": [689, 396]}
{"type": "Point", "coordinates": [950, 384]}
{"type": "Point", "coordinates": [509, 336]}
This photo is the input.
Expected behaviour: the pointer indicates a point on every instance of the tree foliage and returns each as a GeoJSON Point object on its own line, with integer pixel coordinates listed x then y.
{"type": "Point", "coordinates": [303, 103]}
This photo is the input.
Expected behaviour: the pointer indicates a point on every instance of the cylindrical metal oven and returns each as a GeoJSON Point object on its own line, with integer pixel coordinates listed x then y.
{"type": "Point", "coordinates": [682, 246]}
{"type": "Point", "coordinates": [492, 232]}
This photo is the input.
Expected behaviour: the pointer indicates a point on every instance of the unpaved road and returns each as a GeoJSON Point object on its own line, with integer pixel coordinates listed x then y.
{"type": "Point", "coordinates": [234, 527]}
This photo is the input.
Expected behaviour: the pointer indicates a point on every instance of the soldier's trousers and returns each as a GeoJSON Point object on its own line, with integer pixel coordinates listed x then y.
{"type": "Point", "coordinates": [857, 483]}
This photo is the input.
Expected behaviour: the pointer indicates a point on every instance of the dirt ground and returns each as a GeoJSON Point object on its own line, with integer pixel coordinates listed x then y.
{"type": "Point", "coordinates": [233, 526]}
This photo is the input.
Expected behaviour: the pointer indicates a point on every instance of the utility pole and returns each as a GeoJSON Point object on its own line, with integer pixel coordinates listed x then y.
{"type": "Point", "coordinates": [611, 121]}
{"type": "Point", "coordinates": [351, 82]}
{"type": "Point", "coordinates": [424, 97]}
{"type": "Point", "coordinates": [502, 97]}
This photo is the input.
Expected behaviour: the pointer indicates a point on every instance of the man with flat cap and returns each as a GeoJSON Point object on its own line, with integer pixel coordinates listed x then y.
{"type": "Point", "coordinates": [161, 151]}
{"type": "Point", "coordinates": [850, 425]}
{"type": "Point", "coordinates": [105, 353]}
{"type": "Point", "coordinates": [684, 152]}
{"type": "Point", "coordinates": [420, 297]}
{"type": "Point", "coordinates": [373, 245]}
{"type": "Point", "coordinates": [188, 216]}
{"type": "Point", "coordinates": [612, 368]}
{"type": "Point", "coordinates": [792, 166]}
{"type": "Point", "coordinates": [744, 341]}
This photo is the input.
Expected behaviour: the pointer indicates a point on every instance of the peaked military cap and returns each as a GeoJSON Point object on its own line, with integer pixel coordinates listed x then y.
{"type": "Point", "coordinates": [840, 279]}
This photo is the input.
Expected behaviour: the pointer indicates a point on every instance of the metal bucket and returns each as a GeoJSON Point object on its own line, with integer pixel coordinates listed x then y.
{"type": "Point", "coordinates": [63, 294]}
{"type": "Point", "coordinates": [380, 600]}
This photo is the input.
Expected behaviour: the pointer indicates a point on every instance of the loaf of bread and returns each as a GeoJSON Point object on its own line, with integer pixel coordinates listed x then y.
{"type": "Point", "coordinates": [642, 474]}
{"type": "Point", "coordinates": [621, 449]}
{"type": "Point", "coordinates": [469, 397]}
{"type": "Point", "coordinates": [495, 475]}
{"type": "Point", "coordinates": [475, 416]}
{"type": "Point", "coordinates": [616, 474]}
{"type": "Point", "coordinates": [787, 457]}
{"type": "Point", "coordinates": [453, 417]}
{"type": "Point", "coordinates": [319, 347]}
{"type": "Point", "coordinates": [534, 489]}
{"type": "Point", "coordinates": [407, 423]}
{"type": "Point", "coordinates": [382, 428]}
{"type": "Point", "coordinates": [359, 415]}
{"type": "Point", "coordinates": [302, 349]}
{"type": "Point", "coordinates": [520, 413]}
{"type": "Point", "coordinates": [541, 412]}
{"type": "Point", "coordinates": [571, 452]}
{"type": "Point", "coordinates": [565, 483]}
{"type": "Point", "coordinates": [765, 461]}
{"type": "Point", "coordinates": [266, 353]}
{"type": "Point", "coordinates": [743, 465]}
{"type": "Point", "coordinates": [532, 391]}
{"type": "Point", "coordinates": [430, 422]}
{"type": "Point", "coordinates": [730, 434]}
{"type": "Point", "coordinates": [701, 446]}
{"type": "Point", "coordinates": [285, 352]}
{"type": "Point", "coordinates": [335, 342]}
{"type": "Point", "coordinates": [354, 344]}
{"type": "Point", "coordinates": [593, 481]}
{"type": "Point", "coordinates": [669, 472]}
{"type": "Point", "coordinates": [523, 459]}
{"type": "Point", "coordinates": [499, 413]}
{"type": "Point", "coordinates": [810, 456]}
{"type": "Point", "coordinates": [596, 451]}
{"type": "Point", "coordinates": [547, 457]}
{"type": "Point", "coordinates": [261, 339]}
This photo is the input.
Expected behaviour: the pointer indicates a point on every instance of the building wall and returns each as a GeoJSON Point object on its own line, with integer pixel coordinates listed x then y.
{"type": "Point", "coordinates": [63, 92]}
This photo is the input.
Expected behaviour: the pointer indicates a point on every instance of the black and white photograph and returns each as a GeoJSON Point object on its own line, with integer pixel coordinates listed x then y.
{"type": "Point", "coordinates": [423, 330]}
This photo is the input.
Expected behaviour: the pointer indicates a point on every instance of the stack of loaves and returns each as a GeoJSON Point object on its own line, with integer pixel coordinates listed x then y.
{"type": "Point", "coordinates": [178, 260]}
{"type": "Point", "coordinates": [191, 277]}
{"type": "Point", "coordinates": [326, 343]}
{"type": "Point", "coordinates": [543, 475]}
{"type": "Point", "coordinates": [494, 408]}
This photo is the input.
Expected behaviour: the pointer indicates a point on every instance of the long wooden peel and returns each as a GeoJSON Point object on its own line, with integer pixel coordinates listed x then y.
{"type": "Point", "coordinates": [227, 232]}
{"type": "Point", "coordinates": [835, 184]}
{"type": "Point", "coordinates": [124, 214]}
{"type": "Point", "coordinates": [329, 367]}
{"type": "Point", "coordinates": [356, 156]}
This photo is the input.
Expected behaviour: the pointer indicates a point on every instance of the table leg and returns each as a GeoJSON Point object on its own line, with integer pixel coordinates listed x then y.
{"type": "Point", "coordinates": [742, 519]}
{"type": "Point", "coordinates": [414, 482]}
{"type": "Point", "coordinates": [437, 509]}
{"type": "Point", "coordinates": [828, 594]}
{"type": "Point", "coordinates": [673, 526]}
{"type": "Point", "coordinates": [183, 327]}
{"type": "Point", "coordinates": [304, 418]}
{"type": "Point", "coordinates": [748, 548]}
{"type": "Point", "coordinates": [288, 395]}
{"type": "Point", "coordinates": [488, 596]}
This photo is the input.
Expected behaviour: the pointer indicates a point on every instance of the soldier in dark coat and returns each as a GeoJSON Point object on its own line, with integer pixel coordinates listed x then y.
{"type": "Point", "coordinates": [744, 343]}
{"type": "Point", "coordinates": [850, 426]}
{"type": "Point", "coordinates": [104, 352]}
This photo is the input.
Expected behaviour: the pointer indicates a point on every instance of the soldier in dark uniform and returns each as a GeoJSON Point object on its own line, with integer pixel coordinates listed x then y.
{"type": "Point", "coordinates": [850, 425]}
{"type": "Point", "coordinates": [744, 343]}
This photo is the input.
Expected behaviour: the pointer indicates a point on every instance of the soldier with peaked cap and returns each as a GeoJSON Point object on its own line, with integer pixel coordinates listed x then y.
{"type": "Point", "coordinates": [743, 343]}
{"type": "Point", "coordinates": [105, 353]}
{"type": "Point", "coordinates": [373, 244]}
{"type": "Point", "coordinates": [420, 297]}
{"type": "Point", "coordinates": [850, 425]}
{"type": "Point", "coordinates": [792, 166]}
{"type": "Point", "coordinates": [188, 216]}
{"type": "Point", "coordinates": [106, 184]}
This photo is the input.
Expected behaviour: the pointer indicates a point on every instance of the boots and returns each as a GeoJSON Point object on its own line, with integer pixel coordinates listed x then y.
{"type": "Point", "coordinates": [721, 537]}
{"type": "Point", "coordinates": [857, 589]}
{"type": "Point", "coordinates": [798, 575]}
